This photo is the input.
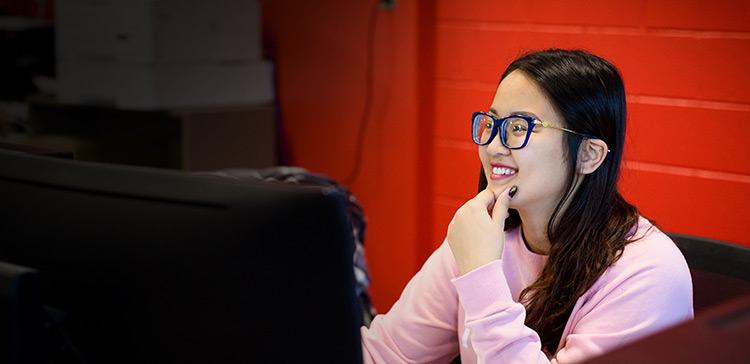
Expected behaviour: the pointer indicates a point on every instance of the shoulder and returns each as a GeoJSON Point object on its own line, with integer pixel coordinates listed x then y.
{"type": "Point", "coordinates": [651, 263]}
{"type": "Point", "coordinates": [651, 249]}
{"type": "Point", "coordinates": [647, 290]}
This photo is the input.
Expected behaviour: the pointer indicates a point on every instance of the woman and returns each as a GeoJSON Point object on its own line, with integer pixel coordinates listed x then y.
{"type": "Point", "coordinates": [548, 263]}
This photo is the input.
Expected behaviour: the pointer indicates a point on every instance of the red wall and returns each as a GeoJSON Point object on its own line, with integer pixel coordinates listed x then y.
{"type": "Point", "coordinates": [685, 70]}
{"type": "Point", "coordinates": [320, 51]}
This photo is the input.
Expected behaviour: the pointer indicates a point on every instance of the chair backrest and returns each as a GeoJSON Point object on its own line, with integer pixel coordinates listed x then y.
{"type": "Point", "coordinates": [720, 270]}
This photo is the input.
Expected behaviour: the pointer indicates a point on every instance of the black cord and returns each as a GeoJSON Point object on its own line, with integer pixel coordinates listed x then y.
{"type": "Point", "coordinates": [369, 91]}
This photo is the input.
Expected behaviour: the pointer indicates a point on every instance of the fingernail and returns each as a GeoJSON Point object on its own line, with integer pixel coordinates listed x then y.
{"type": "Point", "coordinates": [512, 191]}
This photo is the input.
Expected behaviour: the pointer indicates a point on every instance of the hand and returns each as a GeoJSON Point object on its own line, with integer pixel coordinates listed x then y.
{"type": "Point", "coordinates": [475, 234]}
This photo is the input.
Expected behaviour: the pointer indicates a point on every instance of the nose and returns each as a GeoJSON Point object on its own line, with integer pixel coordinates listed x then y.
{"type": "Point", "coordinates": [496, 147]}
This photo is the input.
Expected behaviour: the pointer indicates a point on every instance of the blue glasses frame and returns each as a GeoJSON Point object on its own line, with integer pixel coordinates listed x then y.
{"type": "Point", "coordinates": [499, 123]}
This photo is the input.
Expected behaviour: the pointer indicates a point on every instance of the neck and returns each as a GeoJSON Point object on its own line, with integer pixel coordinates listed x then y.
{"type": "Point", "coordinates": [535, 234]}
{"type": "Point", "coordinates": [534, 224]}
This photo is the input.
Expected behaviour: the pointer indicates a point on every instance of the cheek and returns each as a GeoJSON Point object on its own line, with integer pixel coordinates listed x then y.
{"type": "Point", "coordinates": [542, 175]}
{"type": "Point", "coordinates": [557, 176]}
{"type": "Point", "coordinates": [483, 156]}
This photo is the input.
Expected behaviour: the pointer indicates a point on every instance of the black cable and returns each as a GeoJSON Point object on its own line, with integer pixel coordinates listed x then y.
{"type": "Point", "coordinates": [369, 91]}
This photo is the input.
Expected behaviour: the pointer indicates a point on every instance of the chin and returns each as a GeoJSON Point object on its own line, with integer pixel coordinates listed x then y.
{"type": "Point", "coordinates": [497, 188]}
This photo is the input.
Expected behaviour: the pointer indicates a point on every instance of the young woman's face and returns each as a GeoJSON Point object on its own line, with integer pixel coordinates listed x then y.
{"type": "Point", "coordinates": [538, 169]}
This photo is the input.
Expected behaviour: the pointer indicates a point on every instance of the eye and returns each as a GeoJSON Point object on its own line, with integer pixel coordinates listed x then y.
{"type": "Point", "coordinates": [517, 126]}
{"type": "Point", "coordinates": [487, 123]}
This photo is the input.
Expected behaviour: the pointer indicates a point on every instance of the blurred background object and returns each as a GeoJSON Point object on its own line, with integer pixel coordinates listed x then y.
{"type": "Point", "coordinates": [166, 83]}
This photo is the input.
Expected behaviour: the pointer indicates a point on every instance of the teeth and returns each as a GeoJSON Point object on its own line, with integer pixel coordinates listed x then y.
{"type": "Point", "coordinates": [503, 171]}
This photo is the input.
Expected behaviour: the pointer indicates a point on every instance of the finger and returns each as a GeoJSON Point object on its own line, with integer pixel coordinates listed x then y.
{"type": "Point", "coordinates": [486, 198]}
{"type": "Point", "coordinates": [502, 203]}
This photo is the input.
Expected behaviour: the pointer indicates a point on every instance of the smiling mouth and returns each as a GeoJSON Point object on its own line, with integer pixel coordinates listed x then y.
{"type": "Point", "coordinates": [503, 171]}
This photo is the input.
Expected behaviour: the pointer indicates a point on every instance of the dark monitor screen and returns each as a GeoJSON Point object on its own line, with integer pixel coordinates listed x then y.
{"type": "Point", "coordinates": [148, 265]}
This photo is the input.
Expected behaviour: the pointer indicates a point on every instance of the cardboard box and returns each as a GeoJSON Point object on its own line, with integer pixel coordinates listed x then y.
{"type": "Point", "coordinates": [161, 54]}
{"type": "Point", "coordinates": [155, 31]}
{"type": "Point", "coordinates": [85, 29]}
{"type": "Point", "coordinates": [87, 82]}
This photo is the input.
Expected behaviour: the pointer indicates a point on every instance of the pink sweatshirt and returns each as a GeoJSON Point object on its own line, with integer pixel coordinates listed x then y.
{"type": "Point", "coordinates": [441, 314]}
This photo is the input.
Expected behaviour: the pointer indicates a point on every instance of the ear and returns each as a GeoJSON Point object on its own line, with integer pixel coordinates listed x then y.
{"type": "Point", "coordinates": [591, 155]}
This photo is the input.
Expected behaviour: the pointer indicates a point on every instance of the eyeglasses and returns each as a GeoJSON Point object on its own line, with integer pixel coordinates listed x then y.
{"type": "Point", "coordinates": [515, 130]}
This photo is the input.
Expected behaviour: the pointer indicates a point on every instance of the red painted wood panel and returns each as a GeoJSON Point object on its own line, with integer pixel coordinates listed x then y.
{"type": "Point", "coordinates": [720, 15]}
{"type": "Point", "coordinates": [708, 139]}
{"type": "Point", "coordinates": [576, 12]}
{"type": "Point", "coordinates": [724, 15]}
{"type": "Point", "coordinates": [456, 169]}
{"type": "Point", "coordinates": [454, 104]}
{"type": "Point", "coordinates": [699, 206]}
{"type": "Point", "coordinates": [444, 209]}
{"type": "Point", "coordinates": [684, 67]}
{"type": "Point", "coordinates": [681, 67]}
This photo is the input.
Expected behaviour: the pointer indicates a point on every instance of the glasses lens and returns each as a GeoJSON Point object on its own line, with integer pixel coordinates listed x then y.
{"type": "Point", "coordinates": [481, 128]}
{"type": "Point", "coordinates": [515, 132]}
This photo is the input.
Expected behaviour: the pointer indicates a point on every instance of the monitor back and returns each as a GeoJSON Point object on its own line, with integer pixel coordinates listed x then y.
{"type": "Point", "coordinates": [149, 265]}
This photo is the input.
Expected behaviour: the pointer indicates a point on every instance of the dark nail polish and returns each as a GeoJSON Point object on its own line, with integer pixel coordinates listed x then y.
{"type": "Point", "coordinates": [512, 191]}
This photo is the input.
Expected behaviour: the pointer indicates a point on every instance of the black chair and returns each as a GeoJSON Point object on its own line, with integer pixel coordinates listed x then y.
{"type": "Point", "coordinates": [720, 270]}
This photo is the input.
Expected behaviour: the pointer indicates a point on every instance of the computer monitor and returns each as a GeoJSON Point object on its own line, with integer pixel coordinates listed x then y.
{"type": "Point", "coordinates": [151, 266]}
{"type": "Point", "coordinates": [20, 315]}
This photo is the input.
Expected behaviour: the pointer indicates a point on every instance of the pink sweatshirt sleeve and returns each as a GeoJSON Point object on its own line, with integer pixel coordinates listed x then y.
{"type": "Point", "coordinates": [421, 325]}
{"type": "Point", "coordinates": [498, 333]}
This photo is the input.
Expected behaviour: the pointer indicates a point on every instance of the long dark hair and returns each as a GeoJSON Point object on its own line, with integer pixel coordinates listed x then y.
{"type": "Point", "coordinates": [590, 234]}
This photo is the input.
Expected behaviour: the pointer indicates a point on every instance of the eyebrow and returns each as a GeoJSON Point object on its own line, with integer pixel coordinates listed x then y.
{"type": "Point", "coordinates": [523, 113]}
